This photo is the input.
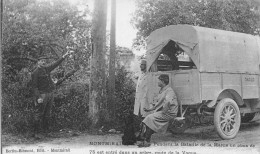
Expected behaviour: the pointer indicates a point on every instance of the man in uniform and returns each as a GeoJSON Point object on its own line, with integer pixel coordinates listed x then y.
{"type": "Point", "coordinates": [165, 109]}
{"type": "Point", "coordinates": [43, 88]}
{"type": "Point", "coordinates": [141, 100]}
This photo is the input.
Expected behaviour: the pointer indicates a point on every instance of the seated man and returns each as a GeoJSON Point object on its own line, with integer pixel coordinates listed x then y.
{"type": "Point", "coordinates": [165, 109]}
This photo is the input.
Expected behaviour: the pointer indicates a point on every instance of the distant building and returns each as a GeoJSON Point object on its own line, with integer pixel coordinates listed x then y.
{"type": "Point", "coordinates": [125, 60]}
{"type": "Point", "coordinates": [125, 56]}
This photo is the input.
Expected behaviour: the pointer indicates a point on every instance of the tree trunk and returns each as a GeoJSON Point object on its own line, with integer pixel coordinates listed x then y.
{"type": "Point", "coordinates": [97, 95]}
{"type": "Point", "coordinates": [111, 82]}
{"type": "Point", "coordinates": [1, 37]}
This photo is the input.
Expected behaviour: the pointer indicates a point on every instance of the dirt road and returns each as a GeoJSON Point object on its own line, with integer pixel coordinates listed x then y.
{"type": "Point", "coordinates": [192, 141]}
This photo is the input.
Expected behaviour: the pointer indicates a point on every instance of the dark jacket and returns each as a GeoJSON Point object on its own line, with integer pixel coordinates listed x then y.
{"type": "Point", "coordinates": [41, 78]}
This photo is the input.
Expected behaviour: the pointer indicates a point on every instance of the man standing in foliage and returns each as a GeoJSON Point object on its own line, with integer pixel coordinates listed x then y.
{"type": "Point", "coordinates": [43, 88]}
{"type": "Point", "coordinates": [141, 100]}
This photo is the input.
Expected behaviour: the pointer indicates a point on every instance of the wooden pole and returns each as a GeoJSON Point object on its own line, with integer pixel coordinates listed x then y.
{"type": "Point", "coordinates": [97, 93]}
{"type": "Point", "coordinates": [111, 82]}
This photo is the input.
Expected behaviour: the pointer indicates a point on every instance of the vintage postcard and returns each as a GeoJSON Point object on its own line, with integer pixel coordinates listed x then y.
{"type": "Point", "coordinates": [130, 76]}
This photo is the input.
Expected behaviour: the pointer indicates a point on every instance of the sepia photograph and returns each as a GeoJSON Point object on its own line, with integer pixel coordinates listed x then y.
{"type": "Point", "coordinates": [130, 76]}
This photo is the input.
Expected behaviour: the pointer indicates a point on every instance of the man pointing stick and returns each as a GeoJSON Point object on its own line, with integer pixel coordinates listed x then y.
{"type": "Point", "coordinates": [43, 88]}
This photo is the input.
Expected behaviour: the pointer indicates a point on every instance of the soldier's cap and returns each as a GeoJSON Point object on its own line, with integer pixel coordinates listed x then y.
{"type": "Point", "coordinates": [164, 78]}
{"type": "Point", "coordinates": [143, 61]}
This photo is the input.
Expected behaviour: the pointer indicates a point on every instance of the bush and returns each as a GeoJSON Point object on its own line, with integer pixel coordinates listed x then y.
{"type": "Point", "coordinates": [17, 110]}
{"type": "Point", "coordinates": [71, 107]}
{"type": "Point", "coordinates": [125, 95]}
{"type": "Point", "coordinates": [69, 110]}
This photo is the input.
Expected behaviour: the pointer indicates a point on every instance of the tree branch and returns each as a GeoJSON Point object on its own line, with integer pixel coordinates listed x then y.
{"type": "Point", "coordinates": [24, 58]}
{"type": "Point", "coordinates": [55, 53]}
{"type": "Point", "coordinates": [69, 74]}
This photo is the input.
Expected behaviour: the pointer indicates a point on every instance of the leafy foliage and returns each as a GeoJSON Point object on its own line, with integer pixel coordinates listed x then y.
{"type": "Point", "coordinates": [17, 110]}
{"type": "Point", "coordinates": [70, 104]}
{"type": "Point", "coordinates": [69, 111]}
{"type": "Point", "coordinates": [125, 94]}
{"type": "Point", "coordinates": [233, 15]}
{"type": "Point", "coordinates": [71, 107]}
{"type": "Point", "coordinates": [35, 28]}
{"type": "Point", "coordinates": [32, 29]}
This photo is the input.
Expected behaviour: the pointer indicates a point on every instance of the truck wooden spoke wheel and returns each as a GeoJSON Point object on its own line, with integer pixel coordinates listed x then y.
{"type": "Point", "coordinates": [227, 118]}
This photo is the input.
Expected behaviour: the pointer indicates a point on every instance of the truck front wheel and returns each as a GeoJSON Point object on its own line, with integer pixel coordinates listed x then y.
{"type": "Point", "coordinates": [227, 118]}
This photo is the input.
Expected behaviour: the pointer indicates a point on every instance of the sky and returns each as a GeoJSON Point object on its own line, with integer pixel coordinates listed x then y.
{"type": "Point", "coordinates": [125, 32]}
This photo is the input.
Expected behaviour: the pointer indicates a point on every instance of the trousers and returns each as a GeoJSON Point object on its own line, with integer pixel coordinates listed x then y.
{"type": "Point", "coordinates": [43, 113]}
{"type": "Point", "coordinates": [146, 132]}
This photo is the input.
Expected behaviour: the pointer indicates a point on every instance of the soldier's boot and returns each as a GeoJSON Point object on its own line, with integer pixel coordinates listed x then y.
{"type": "Point", "coordinates": [149, 132]}
{"type": "Point", "coordinates": [37, 126]}
{"type": "Point", "coordinates": [140, 136]}
{"type": "Point", "coordinates": [37, 132]}
{"type": "Point", "coordinates": [46, 127]}
{"type": "Point", "coordinates": [147, 138]}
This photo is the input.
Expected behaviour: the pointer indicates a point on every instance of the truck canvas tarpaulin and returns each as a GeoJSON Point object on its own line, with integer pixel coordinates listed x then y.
{"type": "Point", "coordinates": [211, 50]}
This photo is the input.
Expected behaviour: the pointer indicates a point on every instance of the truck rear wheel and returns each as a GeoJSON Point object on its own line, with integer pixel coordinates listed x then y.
{"type": "Point", "coordinates": [227, 118]}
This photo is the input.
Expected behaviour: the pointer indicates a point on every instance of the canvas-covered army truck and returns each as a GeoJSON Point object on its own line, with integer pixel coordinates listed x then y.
{"type": "Point", "coordinates": [214, 73]}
